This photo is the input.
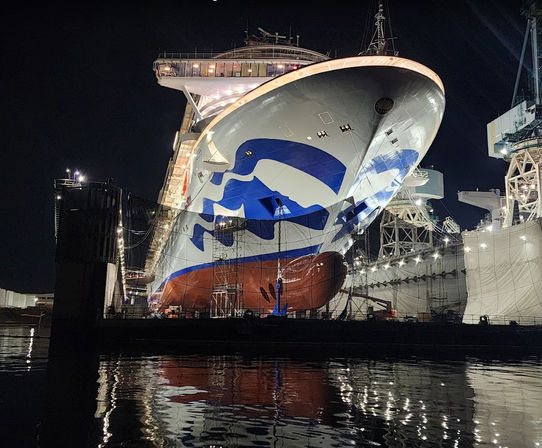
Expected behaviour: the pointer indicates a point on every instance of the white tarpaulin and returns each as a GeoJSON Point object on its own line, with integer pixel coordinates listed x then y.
{"type": "Point", "coordinates": [428, 281]}
{"type": "Point", "coordinates": [422, 282]}
{"type": "Point", "coordinates": [504, 274]}
{"type": "Point", "coordinates": [12, 299]}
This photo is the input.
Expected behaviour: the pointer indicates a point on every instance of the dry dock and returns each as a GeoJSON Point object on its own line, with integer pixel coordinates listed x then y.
{"type": "Point", "coordinates": [330, 335]}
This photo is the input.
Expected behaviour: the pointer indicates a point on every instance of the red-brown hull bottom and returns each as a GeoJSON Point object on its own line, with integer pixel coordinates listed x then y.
{"type": "Point", "coordinates": [309, 282]}
{"type": "Point", "coordinates": [302, 392]}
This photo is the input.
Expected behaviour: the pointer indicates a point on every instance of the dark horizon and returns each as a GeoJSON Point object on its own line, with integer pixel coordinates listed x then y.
{"type": "Point", "coordinates": [80, 93]}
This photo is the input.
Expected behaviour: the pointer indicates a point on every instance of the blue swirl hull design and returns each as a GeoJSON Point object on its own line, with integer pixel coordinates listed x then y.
{"type": "Point", "coordinates": [300, 167]}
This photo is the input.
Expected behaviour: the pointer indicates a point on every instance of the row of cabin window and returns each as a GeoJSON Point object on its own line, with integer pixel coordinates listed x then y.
{"type": "Point", "coordinates": [225, 69]}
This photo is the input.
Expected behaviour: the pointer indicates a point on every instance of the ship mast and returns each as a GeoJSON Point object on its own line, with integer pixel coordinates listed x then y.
{"type": "Point", "coordinates": [378, 41]}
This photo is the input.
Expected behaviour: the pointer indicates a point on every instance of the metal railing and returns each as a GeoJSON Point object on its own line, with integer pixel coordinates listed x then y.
{"type": "Point", "coordinates": [251, 53]}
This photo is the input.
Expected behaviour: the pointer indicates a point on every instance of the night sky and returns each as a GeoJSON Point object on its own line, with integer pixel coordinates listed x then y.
{"type": "Point", "coordinates": [78, 91]}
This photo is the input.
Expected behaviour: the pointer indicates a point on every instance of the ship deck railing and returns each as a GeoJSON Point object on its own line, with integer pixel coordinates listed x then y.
{"type": "Point", "coordinates": [225, 68]}
{"type": "Point", "coordinates": [256, 52]}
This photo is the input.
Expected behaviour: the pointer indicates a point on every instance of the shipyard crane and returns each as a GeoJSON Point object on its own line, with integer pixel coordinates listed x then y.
{"type": "Point", "coordinates": [516, 136]}
{"type": "Point", "coordinates": [406, 224]}
{"type": "Point", "coordinates": [502, 265]}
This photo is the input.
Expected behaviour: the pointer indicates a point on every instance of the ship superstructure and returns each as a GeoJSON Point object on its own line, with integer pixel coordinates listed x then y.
{"type": "Point", "coordinates": [211, 82]}
{"type": "Point", "coordinates": [282, 153]}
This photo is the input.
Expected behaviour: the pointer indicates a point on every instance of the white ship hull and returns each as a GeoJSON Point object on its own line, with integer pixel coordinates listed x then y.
{"type": "Point", "coordinates": [305, 158]}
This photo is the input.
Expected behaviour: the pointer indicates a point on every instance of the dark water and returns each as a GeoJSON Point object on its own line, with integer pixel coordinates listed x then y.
{"type": "Point", "coordinates": [164, 399]}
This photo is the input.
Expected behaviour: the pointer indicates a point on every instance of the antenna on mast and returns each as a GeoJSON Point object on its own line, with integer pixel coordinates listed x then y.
{"type": "Point", "coordinates": [378, 41]}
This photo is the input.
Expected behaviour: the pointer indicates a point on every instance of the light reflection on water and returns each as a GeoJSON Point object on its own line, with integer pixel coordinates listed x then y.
{"type": "Point", "coordinates": [177, 400]}
{"type": "Point", "coordinates": [23, 363]}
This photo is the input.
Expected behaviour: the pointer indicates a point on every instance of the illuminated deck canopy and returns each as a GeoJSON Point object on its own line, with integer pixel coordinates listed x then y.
{"type": "Point", "coordinates": [220, 79]}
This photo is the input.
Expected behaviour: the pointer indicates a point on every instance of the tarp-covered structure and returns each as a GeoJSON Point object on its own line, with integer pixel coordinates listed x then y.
{"type": "Point", "coordinates": [425, 284]}
{"type": "Point", "coordinates": [504, 274]}
{"type": "Point", "coordinates": [430, 281]}
{"type": "Point", "coordinates": [13, 299]}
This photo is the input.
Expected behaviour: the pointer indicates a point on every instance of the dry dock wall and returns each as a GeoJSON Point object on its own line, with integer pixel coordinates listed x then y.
{"type": "Point", "coordinates": [86, 256]}
{"type": "Point", "coordinates": [417, 285]}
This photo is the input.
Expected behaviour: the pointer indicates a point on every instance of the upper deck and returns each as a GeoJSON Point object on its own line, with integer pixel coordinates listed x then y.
{"type": "Point", "coordinates": [252, 61]}
{"type": "Point", "coordinates": [221, 78]}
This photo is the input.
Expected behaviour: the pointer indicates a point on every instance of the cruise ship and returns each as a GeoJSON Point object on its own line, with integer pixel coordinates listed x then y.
{"type": "Point", "coordinates": [283, 152]}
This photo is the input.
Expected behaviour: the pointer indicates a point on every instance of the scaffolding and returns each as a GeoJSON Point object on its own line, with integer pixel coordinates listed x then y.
{"type": "Point", "coordinates": [228, 248]}
{"type": "Point", "coordinates": [405, 227]}
{"type": "Point", "coordinates": [523, 181]}
{"type": "Point", "coordinates": [407, 224]}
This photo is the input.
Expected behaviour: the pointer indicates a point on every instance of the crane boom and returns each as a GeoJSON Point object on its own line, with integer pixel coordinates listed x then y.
{"type": "Point", "coordinates": [387, 314]}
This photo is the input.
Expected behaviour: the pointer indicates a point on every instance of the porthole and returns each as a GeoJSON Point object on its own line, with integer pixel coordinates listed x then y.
{"type": "Point", "coordinates": [383, 106]}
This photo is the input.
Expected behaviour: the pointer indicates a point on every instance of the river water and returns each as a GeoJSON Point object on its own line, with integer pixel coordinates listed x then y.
{"type": "Point", "coordinates": [162, 398]}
